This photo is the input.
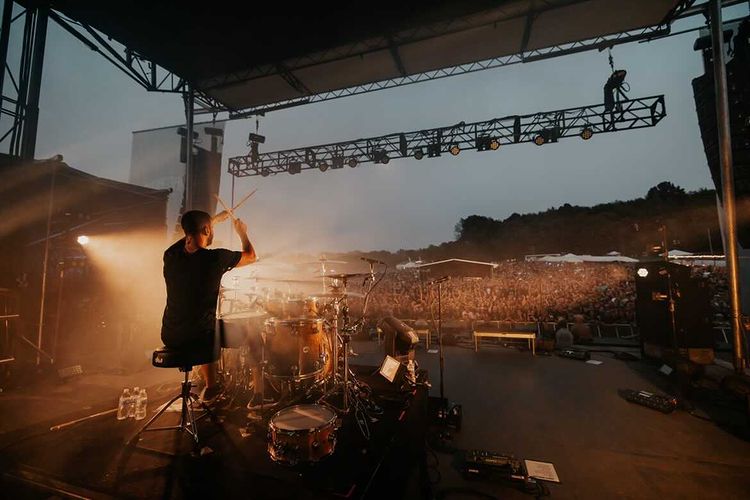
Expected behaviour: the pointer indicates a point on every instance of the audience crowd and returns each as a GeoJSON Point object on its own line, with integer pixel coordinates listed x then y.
{"type": "Point", "coordinates": [529, 291]}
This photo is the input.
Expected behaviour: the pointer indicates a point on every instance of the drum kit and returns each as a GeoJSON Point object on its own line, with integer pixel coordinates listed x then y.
{"type": "Point", "coordinates": [288, 356]}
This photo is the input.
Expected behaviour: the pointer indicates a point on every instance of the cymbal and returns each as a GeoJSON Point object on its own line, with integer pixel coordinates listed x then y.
{"type": "Point", "coordinates": [338, 295]}
{"type": "Point", "coordinates": [243, 315]}
{"type": "Point", "coordinates": [282, 280]}
{"type": "Point", "coordinates": [343, 276]}
{"type": "Point", "coordinates": [323, 259]}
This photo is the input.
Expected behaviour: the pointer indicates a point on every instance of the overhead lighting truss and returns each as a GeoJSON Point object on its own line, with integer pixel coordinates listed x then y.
{"type": "Point", "coordinates": [629, 114]}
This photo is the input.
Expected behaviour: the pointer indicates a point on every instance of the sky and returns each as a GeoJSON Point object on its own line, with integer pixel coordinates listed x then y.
{"type": "Point", "coordinates": [89, 110]}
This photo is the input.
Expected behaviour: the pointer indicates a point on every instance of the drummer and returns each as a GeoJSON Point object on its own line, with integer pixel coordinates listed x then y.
{"type": "Point", "coordinates": [193, 275]}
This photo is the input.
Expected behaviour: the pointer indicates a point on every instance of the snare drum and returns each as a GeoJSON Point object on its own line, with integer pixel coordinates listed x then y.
{"type": "Point", "coordinates": [302, 433]}
{"type": "Point", "coordinates": [296, 348]}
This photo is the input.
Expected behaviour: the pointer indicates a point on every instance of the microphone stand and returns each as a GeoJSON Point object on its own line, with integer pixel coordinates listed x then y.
{"type": "Point", "coordinates": [443, 401]}
{"type": "Point", "coordinates": [439, 283]}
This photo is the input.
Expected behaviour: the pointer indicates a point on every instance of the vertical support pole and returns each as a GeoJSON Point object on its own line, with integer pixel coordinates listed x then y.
{"type": "Point", "coordinates": [727, 179]}
{"type": "Point", "coordinates": [4, 40]}
{"type": "Point", "coordinates": [231, 204]}
{"type": "Point", "coordinates": [16, 138]}
{"type": "Point", "coordinates": [58, 312]}
{"type": "Point", "coordinates": [189, 97]}
{"type": "Point", "coordinates": [28, 141]}
{"type": "Point", "coordinates": [440, 344]}
{"type": "Point", "coordinates": [45, 264]}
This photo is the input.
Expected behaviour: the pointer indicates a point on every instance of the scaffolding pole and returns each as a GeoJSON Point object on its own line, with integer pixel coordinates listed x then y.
{"type": "Point", "coordinates": [727, 180]}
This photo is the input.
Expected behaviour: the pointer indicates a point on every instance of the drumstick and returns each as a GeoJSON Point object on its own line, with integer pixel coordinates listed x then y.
{"type": "Point", "coordinates": [228, 210]}
{"type": "Point", "coordinates": [243, 200]}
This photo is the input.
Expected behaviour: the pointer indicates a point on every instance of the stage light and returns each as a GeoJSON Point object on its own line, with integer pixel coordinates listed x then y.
{"type": "Point", "coordinates": [296, 167]}
{"type": "Point", "coordinates": [255, 138]}
{"type": "Point", "coordinates": [353, 162]}
{"type": "Point", "coordinates": [83, 240]}
{"type": "Point", "coordinates": [586, 133]}
{"type": "Point", "coordinates": [454, 149]}
{"type": "Point", "coordinates": [617, 78]}
{"type": "Point", "coordinates": [539, 140]}
{"type": "Point", "coordinates": [380, 156]}
{"type": "Point", "coordinates": [323, 166]}
{"type": "Point", "coordinates": [337, 162]}
{"type": "Point", "coordinates": [642, 272]}
{"type": "Point", "coordinates": [487, 143]}
{"type": "Point", "coordinates": [656, 249]}
{"type": "Point", "coordinates": [614, 83]}
{"type": "Point", "coordinates": [418, 153]}
{"type": "Point", "coordinates": [265, 171]}
{"type": "Point", "coordinates": [310, 157]}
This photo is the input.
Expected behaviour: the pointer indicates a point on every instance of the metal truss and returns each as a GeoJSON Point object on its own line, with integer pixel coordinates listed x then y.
{"type": "Point", "coordinates": [20, 81]}
{"type": "Point", "coordinates": [540, 128]}
{"type": "Point", "coordinates": [140, 69]}
{"type": "Point", "coordinates": [19, 106]}
{"type": "Point", "coordinates": [685, 8]}
{"type": "Point", "coordinates": [598, 43]}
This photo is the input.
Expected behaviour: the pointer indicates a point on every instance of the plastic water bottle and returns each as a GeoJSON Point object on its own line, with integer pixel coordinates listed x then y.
{"type": "Point", "coordinates": [133, 400]}
{"type": "Point", "coordinates": [141, 404]}
{"type": "Point", "coordinates": [122, 406]}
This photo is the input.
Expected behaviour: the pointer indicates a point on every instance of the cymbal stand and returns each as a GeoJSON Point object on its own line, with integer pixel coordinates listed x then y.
{"type": "Point", "coordinates": [340, 335]}
{"type": "Point", "coordinates": [335, 342]}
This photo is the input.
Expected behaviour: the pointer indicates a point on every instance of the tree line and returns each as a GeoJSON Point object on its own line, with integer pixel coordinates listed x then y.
{"type": "Point", "coordinates": [629, 227]}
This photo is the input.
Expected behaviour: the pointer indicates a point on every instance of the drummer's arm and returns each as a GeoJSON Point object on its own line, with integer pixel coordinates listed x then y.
{"type": "Point", "coordinates": [248, 252]}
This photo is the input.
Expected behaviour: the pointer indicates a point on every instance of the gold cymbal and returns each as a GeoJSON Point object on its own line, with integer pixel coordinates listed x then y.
{"type": "Point", "coordinates": [338, 295]}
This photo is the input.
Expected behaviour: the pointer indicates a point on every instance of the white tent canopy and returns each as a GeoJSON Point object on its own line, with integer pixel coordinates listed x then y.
{"type": "Point", "coordinates": [573, 258]}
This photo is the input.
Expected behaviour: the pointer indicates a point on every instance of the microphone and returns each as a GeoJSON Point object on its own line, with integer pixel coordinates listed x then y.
{"type": "Point", "coordinates": [438, 280]}
{"type": "Point", "coordinates": [372, 261]}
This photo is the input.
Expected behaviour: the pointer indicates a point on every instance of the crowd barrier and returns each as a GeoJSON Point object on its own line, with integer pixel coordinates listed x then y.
{"type": "Point", "coordinates": [598, 330]}
{"type": "Point", "coordinates": [621, 331]}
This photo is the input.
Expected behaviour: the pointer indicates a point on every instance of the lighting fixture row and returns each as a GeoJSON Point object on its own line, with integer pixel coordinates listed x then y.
{"type": "Point", "coordinates": [380, 156]}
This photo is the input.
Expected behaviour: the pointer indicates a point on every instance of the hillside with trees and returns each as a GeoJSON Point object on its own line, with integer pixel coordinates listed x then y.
{"type": "Point", "coordinates": [629, 227]}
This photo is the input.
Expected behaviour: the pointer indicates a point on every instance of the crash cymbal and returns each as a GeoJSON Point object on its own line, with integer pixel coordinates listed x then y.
{"type": "Point", "coordinates": [284, 280]}
{"type": "Point", "coordinates": [338, 295]}
{"type": "Point", "coordinates": [324, 260]}
{"type": "Point", "coordinates": [343, 276]}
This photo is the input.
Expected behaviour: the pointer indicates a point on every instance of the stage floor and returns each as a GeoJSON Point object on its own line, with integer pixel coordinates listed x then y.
{"type": "Point", "coordinates": [543, 408]}
{"type": "Point", "coordinates": [93, 459]}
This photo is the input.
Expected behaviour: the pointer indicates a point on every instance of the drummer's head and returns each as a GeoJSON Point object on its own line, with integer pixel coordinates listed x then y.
{"type": "Point", "coordinates": [197, 225]}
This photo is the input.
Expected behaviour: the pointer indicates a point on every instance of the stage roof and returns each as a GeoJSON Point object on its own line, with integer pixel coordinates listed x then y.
{"type": "Point", "coordinates": [260, 54]}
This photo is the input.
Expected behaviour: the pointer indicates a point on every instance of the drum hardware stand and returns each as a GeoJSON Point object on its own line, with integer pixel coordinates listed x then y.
{"type": "Point", "coordinates": [344, 334]}
{"type": "Point", "coordinates": [262, 365]}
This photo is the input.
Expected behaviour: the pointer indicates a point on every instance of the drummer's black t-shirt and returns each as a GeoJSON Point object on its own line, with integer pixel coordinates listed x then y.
{"type": "Point", "coordinates": [193, 282]}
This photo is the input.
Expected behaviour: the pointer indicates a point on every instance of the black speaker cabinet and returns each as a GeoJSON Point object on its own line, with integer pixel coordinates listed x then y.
{"type": "Point", "coordinates": [693, 328]}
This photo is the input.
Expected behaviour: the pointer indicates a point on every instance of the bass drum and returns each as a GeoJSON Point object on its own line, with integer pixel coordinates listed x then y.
{"type": "Point", "coordinates": [302, 433]}
{"type": "Point", "coordinates": [297, 349]}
